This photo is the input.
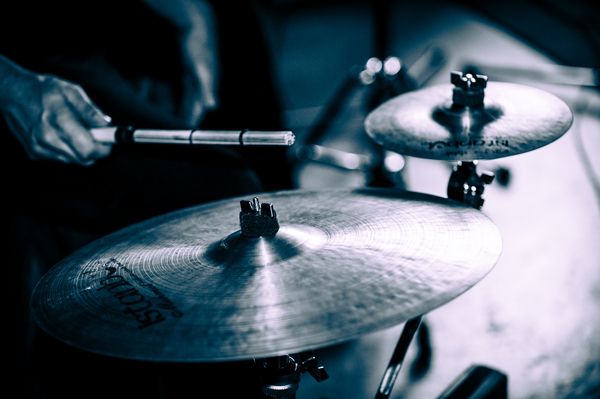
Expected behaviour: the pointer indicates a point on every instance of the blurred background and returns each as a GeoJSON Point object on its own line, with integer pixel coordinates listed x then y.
{"type": "Point", "coordinates": [536, 316]}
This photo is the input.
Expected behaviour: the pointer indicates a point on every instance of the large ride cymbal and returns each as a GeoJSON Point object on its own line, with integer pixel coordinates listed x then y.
{"type": "Point", "coordinates": [513, 119]}
{"type": "Point", "coordinates": [187, 286]}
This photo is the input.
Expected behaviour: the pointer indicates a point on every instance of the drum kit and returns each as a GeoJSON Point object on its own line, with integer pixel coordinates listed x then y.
{"type": "Point", "coordinates": [275, 275]}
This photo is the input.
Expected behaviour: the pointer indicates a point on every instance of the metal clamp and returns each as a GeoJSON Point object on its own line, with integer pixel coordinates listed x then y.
{"type": "Point", "coordinates": [258, 219]}
{"type": "Point", "coordinates": [280, 375]}
{"type": "Point", "coordinates": [466, 185]}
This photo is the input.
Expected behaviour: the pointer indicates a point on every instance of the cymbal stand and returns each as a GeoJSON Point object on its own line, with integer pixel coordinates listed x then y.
{"type": "Point", "coordinates": [465, 184]}
{"type": "Point", "coordinates": [391, 373]}
{"type": "Point", "coordinates": [386, 77]}
{"type": "Point", "coordinates": [280, 375]}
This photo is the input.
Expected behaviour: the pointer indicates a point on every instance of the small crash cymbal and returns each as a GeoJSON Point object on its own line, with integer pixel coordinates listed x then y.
{"type": "Point", "coordinates": [427, 124]}
{"type": "Point", "coordinates": [188, 286]}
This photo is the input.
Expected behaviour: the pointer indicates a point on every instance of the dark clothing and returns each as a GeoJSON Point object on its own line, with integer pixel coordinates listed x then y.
{"type": "Point", "coordinates": [113, 49]}
{"type": "Point", "coordinates": [52, 209]}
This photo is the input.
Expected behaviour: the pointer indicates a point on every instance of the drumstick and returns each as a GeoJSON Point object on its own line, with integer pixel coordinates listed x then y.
{"type": "Point", "coordinates": [128, 134]}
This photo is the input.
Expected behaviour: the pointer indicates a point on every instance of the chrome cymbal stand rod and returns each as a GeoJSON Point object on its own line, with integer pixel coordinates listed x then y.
{"type": "Point", "coordinates": [393, 369]}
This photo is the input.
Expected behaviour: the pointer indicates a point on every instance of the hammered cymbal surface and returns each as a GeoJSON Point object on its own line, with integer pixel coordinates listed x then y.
{"type": "Point", "coordinates": [187, 287]}
{"type": "Point", "coordinates": [514, 119]}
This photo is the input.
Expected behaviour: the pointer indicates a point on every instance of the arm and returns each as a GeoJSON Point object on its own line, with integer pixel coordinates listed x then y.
{"type": "Point", "coordinates": [50, 116]}
{"type": "Point", "coordinates": [195, 22]}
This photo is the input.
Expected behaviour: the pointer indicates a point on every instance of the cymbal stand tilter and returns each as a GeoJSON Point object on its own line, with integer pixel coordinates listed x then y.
{"type": "Point", "coordinates": [465, 184]}
{"type": "Point", "coordinates": [279, 375]}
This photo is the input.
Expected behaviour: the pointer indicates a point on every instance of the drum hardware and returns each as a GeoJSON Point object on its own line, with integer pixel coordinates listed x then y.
{"type": "Point", "coordinates": [390, 165]}
{"type": "Point", "coordinates": [428, 123]}
{"type": "Point", "coordinates": [333, 157]}
{"type": "Point", "coordinates": [257, 220]}
{"type": "Point", "coordinates": [477, 121]}
{"type": "Point", "coordinates": [391, 373]}
{"type": "Point", "coordinates": [385, 79]}
{"type": "Point", "coordinates": [280, 375]}
{"type": "Point", "coordinates": [466, 185]}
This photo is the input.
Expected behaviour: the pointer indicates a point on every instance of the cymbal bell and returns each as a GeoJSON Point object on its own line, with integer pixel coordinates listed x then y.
{"type": "Point", "coordinates": [188, 286]}
{"type": "Point", "coordinates": [427, 123]}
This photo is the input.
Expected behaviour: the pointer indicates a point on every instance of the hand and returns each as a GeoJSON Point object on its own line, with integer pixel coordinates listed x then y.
{"type": "Point", "coordinates": [50, 116]}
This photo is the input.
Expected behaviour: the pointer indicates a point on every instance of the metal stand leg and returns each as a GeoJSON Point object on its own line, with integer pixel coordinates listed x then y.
{"type": "Point", "coordinates": [391, 373]}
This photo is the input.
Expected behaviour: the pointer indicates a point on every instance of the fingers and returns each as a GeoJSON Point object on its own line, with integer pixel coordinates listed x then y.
{"type": "Point", "coordinates": [83, 106]}
{"type": "Point", "coordinates": [72, 127]}
{"type": "Point", "coordinates": [58, 137]}
{"type": "Point", "coordinates": [34, 143]}
{"type": "Point", "coordinates": [72, 140]}
{"type": "Point", "coordinates": [51, 121]}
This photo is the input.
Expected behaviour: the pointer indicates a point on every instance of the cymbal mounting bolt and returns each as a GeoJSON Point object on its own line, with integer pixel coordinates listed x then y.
{"type": "Point", "coordinates": [257, 220]}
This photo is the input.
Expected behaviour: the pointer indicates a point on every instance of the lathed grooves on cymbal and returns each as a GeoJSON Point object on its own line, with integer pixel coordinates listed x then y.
{"type": "Point", "coordinates": [288, 242]}
{"type": "Point", "coordinates": [514, 119]}
{"type": "Point", "coordinates": [186, 286]}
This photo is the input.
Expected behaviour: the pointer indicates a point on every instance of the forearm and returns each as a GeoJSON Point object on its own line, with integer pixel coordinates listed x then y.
{"type": "Point", "coordinates": [183, 14]}
{"type": "Point", "coordinates": [196, 23]}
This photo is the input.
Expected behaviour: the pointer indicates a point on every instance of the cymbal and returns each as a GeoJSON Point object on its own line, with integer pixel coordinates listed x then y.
{"type": "Point", "coordinates": [189, 287]}
{"type": "Point", "coordinates": [513, 119]}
